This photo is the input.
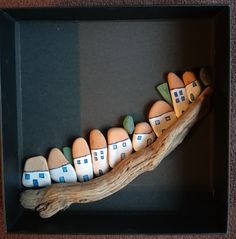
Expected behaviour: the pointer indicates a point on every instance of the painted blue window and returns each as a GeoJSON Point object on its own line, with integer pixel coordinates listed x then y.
{"type": "Point", "coordinates": [181, 92]}
{"type": "Point", "coordinates": [85, 160]}
{"type": "Point", "coordinates": [177, 100]}
{"type": "Point", "coordinates": [78, 162]}
{"type": "Point", "coordinates": [122, 156]}
{"type": "Point", "coordinates": [139, 137]}
{"type": "Point", "coordinates": [114, 146]}
{"type": "Point", "coordinates": [102, 157]}
{"type": "Point", "coordinates": [175, 94]}
{"type": "Point", "coordinates": [35, 183]}
{"type": "Point", "coordinates": [167, 118]}
{"type": "Point", "coordinates": [27, 176]}
{"type": "Point", "coordinates": [183, 98]}
{"type": "Point", "coordinates": [124, 144]}
{"type": "Point", "coordinates": [157, 122]}
{"type": "Point", "coordinates": [95, 153]}
{"type": "Point", "coordinates": [101, 152]}
{"type": "Point", "coordinates": [61, 179]}
{"type": "Point", "coordinates": [64, 169]}
{"type": "Point", "coordinates": [86, 178]}
{"type": "Point", "coordinates": [41, 175]}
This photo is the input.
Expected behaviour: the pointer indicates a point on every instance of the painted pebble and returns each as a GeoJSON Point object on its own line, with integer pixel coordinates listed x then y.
{"type": "Point", "coordinates": [161, 116]}
{"type": "Point", "coordinates": [36, 173]}
{"type": "Point", "coordinates": [82, 160]}
{"type": "Point", "coordinates": [205, 77]}
{"type": "Point", "coordinates": [98, 146]}
{"type": "Point", "coordinates": [119, 145]}
{"type": "Point", "coordinates": [60, 169]}
{"type": "Point", "coordinates": [128, 124]}
{"type": "Point", "coordinates": [192, 85]}
{"type": "Point", "coordinates": [165, 92]}
{"type": "Point", "coordinates": [143, 136]}
{"type": "Point", "coordinates": [68, 154]}
{"type": "Point", "coordinates": [178, 94]}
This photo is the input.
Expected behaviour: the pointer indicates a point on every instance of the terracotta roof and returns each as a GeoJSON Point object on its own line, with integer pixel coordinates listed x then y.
{"type": "Point", "coordinates": [174, 81]}
{"type": "Point", "coordinates": [97, 140]}
{"type": "Point", "coordinates": [160, 107]}
{"type": "Point", "coordinates": [115, 135]}
{"type": "Point", "coordinates": [143, 128]}
{"type": "Point", "coordinates": [189, 77]}
{"type": "Point", "coordinates": [56, 159]}
{"type": "Point", "coordinates": [80, 148]}
{"type": "Point", "coordinates": [38, 163]}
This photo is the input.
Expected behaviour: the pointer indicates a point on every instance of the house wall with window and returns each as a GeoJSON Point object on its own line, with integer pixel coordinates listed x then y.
{"type": "Point", "coordinates": [63, 174]}
{"type": "Point", "coordinates": [193, 90]}
{"type": "Point", "coordinates": [180, 101]}
{"type": "Point", "coordinates": [100, 161]}
{"type": "Point", "coordinates": [36, 179]}
{"type": "Point", "coordinates": [162, 122]}
{"type": "Point", "coordinates": [119, 151]}
{"type": "Point", "coordinates": [141, 141]}
{"type": "Point", "coordinates": [84, 168]}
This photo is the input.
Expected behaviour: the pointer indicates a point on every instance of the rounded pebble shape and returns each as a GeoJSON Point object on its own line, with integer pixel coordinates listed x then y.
{"type": "Point", "coordinates": [80, 148]}
{"type": "Point", "coordinates": [143, 136]}
{"type": "Point", "coordinates": [189, 77]}
{"type": "Point", "coordinates": [128, 124]}
{"type": "Point", "coordinates": [97, 139]}
{"type": "Point", "coordinates": [160, 107]}
{"type": "Point", "coordinates": [205, 77]}
{"type": "Point", "coordinates": [174, 81]}
{"type": "Point", "coordinates": [116, 134]}
{"type": "Point", "coordinates": [36, 163]}
{"type": "Point", "coordinates": [56, 158]}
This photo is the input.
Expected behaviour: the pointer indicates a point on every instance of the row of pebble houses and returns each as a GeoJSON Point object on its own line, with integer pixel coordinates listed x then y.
{"type": "Point", "coordinates": [83, 162]}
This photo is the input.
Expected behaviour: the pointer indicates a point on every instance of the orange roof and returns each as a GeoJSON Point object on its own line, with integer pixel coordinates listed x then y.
{"type": "Point", "coordinates": [37, 163]}
{"type": "Point", "coordinates": [97, 140]}
{"type": "Point", "coordinates": [80, 148]}
{"type": "Point", "coordinates": [174, 81]}
{"type": "Point", "coordinates": [115, 135]}
{"type": "Point", "coordinates": [189, 77]}
{"type": "Point", "coordinates": [143, 128]}
{"type": "Point", "coordinates": [56, 159]}
{"type": "Point", "coordinates": [160, 107]}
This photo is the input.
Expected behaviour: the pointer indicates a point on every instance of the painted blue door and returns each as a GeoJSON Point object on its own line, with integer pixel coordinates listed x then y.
{"type": "Point", "coordinates": [35, 183]}
{"type": "Point", "coordinates": [86, 178]}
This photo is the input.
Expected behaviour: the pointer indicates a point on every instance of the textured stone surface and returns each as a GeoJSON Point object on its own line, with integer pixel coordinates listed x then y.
{"type": "Point", "coordinates": [232, 211]}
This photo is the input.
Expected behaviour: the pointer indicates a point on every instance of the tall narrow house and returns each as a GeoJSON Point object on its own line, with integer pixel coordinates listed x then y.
{"type": "Point", "coordinates": [178, 94]}
{"type": "Point", "coordinates": [98, 147]}
{"type": "Point", "coordinates": [192, 85]}
{"type": "Point", "coordinates": [82, 160]}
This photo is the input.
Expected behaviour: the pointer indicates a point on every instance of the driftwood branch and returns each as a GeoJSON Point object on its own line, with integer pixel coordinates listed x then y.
{"type": "Point", "coordinates": [48, 201]}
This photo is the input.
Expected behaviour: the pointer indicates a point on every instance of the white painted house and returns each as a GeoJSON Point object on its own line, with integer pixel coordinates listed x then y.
{"type": "Point", "coordinates": [60, 170]}
{"type": "Point", "coordinates": [64, 174]}
{"type": "Point", "coordinates": [36, 173]}
{"type": "Point", "coordinates": [84, 168]}
{"type": "Point", "coordinates": [161, 116]}
{"type": "Point", "coordinates": [82, 160]}
{"type": "Point", "coordinates": [119, 146]}
{"type": "Point", "coordinates": [100, 161]}
{"type": "Point", "coordinates": [143, 136]}
{"type": "Point", "coordinates": [98, 146]}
